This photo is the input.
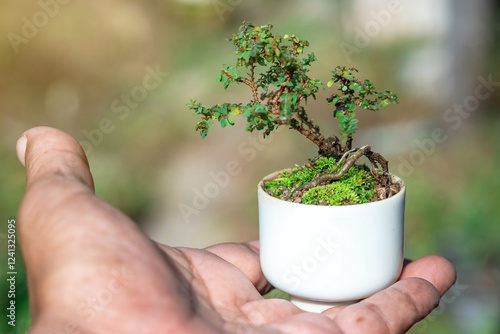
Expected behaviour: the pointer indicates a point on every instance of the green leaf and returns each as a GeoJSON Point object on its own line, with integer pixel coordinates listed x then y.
{"type": "Point", "coordinates": [223, 109]}
{"type": "Point", "coordinates": [330, 83]}
{"type": "Point", "coordinates": [247, 110]}
{"type": "Point", "coordinates": [384, 103]}
{"type": "Point", "coordinates": [261, 110]}
{"type": "Point", "coordinates": [230, 121]}
{"type": "Point", "coordinates": [350, 106]}
{"type": "Point", "coordinates": [223, 122]}
{"type": "Point", "coordinates": [220, 78]}
{"type": "Point", "coordinates": [355, 87]}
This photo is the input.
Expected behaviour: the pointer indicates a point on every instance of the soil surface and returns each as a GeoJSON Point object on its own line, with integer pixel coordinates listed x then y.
{"type": "Point", "coordinates": [386, 187]}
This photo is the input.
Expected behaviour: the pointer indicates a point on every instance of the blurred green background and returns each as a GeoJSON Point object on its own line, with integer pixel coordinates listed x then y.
{"type": "Point", "coordinates": [80, 66]}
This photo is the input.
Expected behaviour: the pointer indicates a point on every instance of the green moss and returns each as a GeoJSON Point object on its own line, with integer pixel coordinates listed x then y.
{"type": "Point", "coordinates": [289, 180]}
{"type": "Point", "coordinates": [356, 187]}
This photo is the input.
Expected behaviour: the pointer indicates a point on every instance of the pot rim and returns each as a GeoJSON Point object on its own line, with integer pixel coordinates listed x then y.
{"type": "Point", "coordinates": [262, 192]}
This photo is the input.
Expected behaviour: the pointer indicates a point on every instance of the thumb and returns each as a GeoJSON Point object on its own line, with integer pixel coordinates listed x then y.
{"type": "Point", "coordinates": [48, 153]}
{"type": "Point", "coordinates": [75, 244]}
{"type": "Point", "coordinates": [57, 175]}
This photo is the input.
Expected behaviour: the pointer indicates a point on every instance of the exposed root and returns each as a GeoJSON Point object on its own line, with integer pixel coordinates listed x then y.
{"type": "Point", "coordinates": [379, 169]}
{"type": "Point", "coordinates": [376, 158]}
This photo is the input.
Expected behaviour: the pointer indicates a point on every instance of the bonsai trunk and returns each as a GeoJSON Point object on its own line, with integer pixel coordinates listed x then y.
{"type": "Point", "coordinates": [332, 148]}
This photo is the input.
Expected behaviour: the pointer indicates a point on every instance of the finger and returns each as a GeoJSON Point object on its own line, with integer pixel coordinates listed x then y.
{"type": "Point", "coordinates": [393, 310]}
{"type": "Point", "coordinates": [397, 308]}
{"type": "Point", "coordinates": [244, 256]}
{"type": "Point", "coordinates": [435, 269]}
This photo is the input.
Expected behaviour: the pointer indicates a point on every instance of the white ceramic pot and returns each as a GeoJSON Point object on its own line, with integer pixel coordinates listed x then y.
{"type": "Point", "coordinates": [325, 256]}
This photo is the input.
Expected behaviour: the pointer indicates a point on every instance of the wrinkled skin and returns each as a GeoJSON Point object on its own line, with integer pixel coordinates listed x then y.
{"type": "Point", "coordinates": [92, 270]}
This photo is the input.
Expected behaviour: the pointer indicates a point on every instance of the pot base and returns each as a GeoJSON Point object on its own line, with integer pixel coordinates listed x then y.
{"type": "Point", "coordinates": [316, 306]}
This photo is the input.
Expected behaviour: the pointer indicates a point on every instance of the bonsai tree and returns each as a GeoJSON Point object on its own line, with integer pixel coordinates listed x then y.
{"type": "Point", "coordinates": [275, 68]}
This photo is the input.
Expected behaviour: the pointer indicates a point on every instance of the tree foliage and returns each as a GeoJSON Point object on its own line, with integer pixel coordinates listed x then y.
{"type": "Point", "coordinates": [275, 68]}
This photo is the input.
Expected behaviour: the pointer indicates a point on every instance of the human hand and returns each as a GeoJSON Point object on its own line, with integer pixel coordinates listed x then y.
{"type": "Point", "coordinates": [90, 269]}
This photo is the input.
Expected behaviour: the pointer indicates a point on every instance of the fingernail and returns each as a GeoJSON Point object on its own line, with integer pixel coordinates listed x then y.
{"type": "Point", "coordinates": [21, 149]}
